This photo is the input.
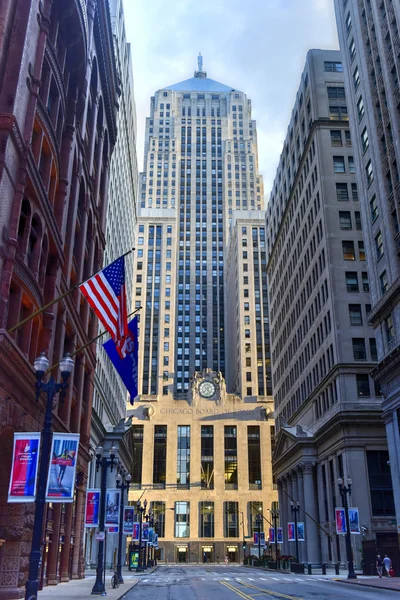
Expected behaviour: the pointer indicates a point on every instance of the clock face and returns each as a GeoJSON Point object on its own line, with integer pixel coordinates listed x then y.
{"type": "Point", "coordinates": [207, 389]}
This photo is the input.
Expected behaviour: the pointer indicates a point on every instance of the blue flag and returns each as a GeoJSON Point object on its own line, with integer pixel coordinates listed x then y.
{"type": "Point", "coordinates": [127, 367]}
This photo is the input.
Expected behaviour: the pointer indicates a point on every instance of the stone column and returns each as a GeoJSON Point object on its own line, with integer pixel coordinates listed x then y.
{"type": "Point", "coordinates": [321, 509]}
{"type": "Point", "coordinates": [64, 568]}
{"type": "Point", "coordinates": [53, 551]}
{"type": "Point", "coordinates": [310, 505]}
{"type": "Point", "coordinates": [300, 482]}
{"type": "Point", "coordinates": [285, 515]}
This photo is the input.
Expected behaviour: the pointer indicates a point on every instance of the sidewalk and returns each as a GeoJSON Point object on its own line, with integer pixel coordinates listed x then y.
{"type": "Point", "coordinates": [81, 589]}
{"type": "Point", "coordinates": [385, 583]}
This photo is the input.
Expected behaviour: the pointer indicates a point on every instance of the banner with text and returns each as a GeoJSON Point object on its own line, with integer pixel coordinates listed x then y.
{"type": "Point", "coordinates": [290, 532]}
{"type": "Point", "coordinates": [92, 508]}
{"type": "Point", "coordinates": [300, 532]}
{"type": "Point", "coordinates": [354, 519]}
{"type": "Point", "coordinates": [113, 497]}
{"type": "Point", "coordinates": [279, 535]}
{"type": "Point", "coordinates": [340, 521]}
{"type": "Point", "coordinates": [24, 467]}
{"type": "Point", "coordinates": [62, 468]}
{"type": "Point", "coordinates": [128, 521]}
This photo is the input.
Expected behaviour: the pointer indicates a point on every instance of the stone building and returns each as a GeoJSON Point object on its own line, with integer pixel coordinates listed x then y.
{"type": "Point", "coordinates": [370, 45]}
{"type": "Point", "coordinates": [212, 461]}
{"type": "Point", "coordinates": [58, 104]}
{"type": "Point", "coordinates": [327, 408]}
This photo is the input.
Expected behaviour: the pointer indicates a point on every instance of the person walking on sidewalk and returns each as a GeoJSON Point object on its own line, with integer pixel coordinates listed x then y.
{"type": "Point", "coordinates": [387, 563]}
{"type": "Point", "coordinates": [379, 565]}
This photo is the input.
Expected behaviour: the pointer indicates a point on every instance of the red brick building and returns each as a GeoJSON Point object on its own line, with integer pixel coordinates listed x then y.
{"type": "Point", "coordinates": [58, 103]}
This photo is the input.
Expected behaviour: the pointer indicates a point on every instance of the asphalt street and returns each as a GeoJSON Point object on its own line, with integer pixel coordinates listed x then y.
{"type": "Point", "coordinates": [229, 583]}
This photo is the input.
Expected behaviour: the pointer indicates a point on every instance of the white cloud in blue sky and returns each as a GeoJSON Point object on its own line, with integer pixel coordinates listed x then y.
{"type": "Point", "coordinates": [257, 46]}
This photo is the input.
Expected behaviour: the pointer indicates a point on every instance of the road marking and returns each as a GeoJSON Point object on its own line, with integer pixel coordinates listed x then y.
{"type": "Point", "coordinates": [276, 578]}
{"type": "Point", "coordinates": [250, 579]}
{"type": "Point", "coordinates": [144, 580]}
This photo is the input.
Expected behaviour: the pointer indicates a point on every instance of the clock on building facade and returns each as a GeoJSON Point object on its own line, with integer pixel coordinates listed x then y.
{"type": "Point", "coordinates": [207, 389]}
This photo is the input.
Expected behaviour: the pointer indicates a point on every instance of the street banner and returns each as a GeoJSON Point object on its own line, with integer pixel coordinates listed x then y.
{"type": "Point", "coordinates": [62, 468]}
{"type": "Point", "coordinates": [255, 538]}
{"type": "Point", "coordinates": [279, 535]}
{"type": "Point", "coordinates": [113, 530]}
{"type": "Point", "coordinates": [271, 536]}
{"type": "Point", "coordinates": [354, 519]}
{"type": "Point", "coordinates": [156, 541]}
{"type": "Point", "coordinates": [300, 532]}
{"type": "Point", "coordinates": [128, 521]}
{"type": "Point", "coordinates": [24, 467]}
{"type": "Point", "coordinates": [112, 507]}
{"type": "Point", "coordinates": [340, 521]}
{"type": "Point", "coordinates": [262, 539]}
{"type": "Point", "coordinates": [145, 532]}
{"type": "Point", "coordinates": [127, 367]}
{"type": "Point", "coordinates": [92, 508]}
{"type": "Point", "coordinates": [290, 532]}
{"type": "Point", "coordinates": [151, 535]}
{"type": "Point", "coordinates": [136, 532]}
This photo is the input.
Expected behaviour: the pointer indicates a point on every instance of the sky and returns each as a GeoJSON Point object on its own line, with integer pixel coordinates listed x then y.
{"type": "Point", "coordinates": [256, 46]}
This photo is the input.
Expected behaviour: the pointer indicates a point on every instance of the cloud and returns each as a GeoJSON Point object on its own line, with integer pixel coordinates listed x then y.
{"type": "Point", "coordinates": [258, 46]}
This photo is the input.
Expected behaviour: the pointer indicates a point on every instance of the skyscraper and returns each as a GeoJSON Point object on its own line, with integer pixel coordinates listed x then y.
{"type": "Point", "coordinates": [327, 409]}
{"type": "Point", "coordinates": [370, 45]}
{"type": "Point", "coordinates": [208, 455]}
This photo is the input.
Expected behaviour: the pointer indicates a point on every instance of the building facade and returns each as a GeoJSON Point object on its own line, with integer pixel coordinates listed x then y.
{"type": "Point", "coordinates": [109, 399]}
{"type": "Point", "coordinates": [200, 167]}
{"type": "Point", "coordinates": [370, 44]}
{"type": "Point", "coordinates": [58, 106]}
{"type": "Point", "coordinates": [327, 408]}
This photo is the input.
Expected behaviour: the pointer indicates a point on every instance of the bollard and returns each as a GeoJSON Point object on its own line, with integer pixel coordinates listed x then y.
{"type": "Point", "coordinates": [309, 569]}
{"type": "Point", "coordinates": [337, 568]}
{"type": "Point", "coordinates": [323, 568]}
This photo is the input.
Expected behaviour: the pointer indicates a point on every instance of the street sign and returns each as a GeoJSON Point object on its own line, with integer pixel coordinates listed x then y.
{"type": "Point", "coordinates": [100, 536]}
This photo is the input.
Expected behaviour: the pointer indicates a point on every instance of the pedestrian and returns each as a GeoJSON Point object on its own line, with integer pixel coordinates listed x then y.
{"type": "Point", "coordinates": [379, 565]}
{"type": "Point", "coordinates": [387, 563]}
{"type": "Point", "coordinates": [226, 559]}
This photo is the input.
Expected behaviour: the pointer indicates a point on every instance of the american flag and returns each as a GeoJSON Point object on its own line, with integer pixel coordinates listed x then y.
{"type": "Point", "coordinates": [106, 294]}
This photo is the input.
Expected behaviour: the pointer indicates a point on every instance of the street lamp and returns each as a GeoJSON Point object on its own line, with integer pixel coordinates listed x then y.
{"type": "Point", "coordinates": [150, 520]}
{"type": "Point", "coordinates": [139, 511]}
{"type": "Point", "coordinates": [244, 541]}
{"type": "Point", "coordinates": [51, 388]}
{"type": "Point", "coordinates": [275, 516]}
{"type": "Point", "coordinates": [349, 551]}
{"type": "Point", "coordinates": [295, 509]}
{"type": "Point", "coordinates": [105, 462]}
{"type": "Point", "coordinates": [258, 521]}
{"type": "Point", "coordinates": [123, 481]}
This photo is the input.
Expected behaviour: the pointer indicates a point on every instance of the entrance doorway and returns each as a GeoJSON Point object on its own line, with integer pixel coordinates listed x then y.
{"type": "Point", "coordinates": [181, 554]}
{"type": "Point", "coordinates": [207, 553]}
{"type": "Point", "coordinates": [233, 555]}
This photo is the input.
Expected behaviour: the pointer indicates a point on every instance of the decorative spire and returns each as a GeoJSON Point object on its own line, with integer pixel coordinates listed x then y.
{"type": "Point", "coordinates": [200, 74]}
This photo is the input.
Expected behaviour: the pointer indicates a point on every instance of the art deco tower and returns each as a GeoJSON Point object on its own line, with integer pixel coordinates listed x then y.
{"type": "Point", "coordinates": [200, 165]}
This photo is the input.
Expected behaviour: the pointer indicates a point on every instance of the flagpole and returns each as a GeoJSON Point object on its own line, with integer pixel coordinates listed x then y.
{"type": "Point", "coordinates": [38, 312]}
{"type": "Point", "coordinates": [90, 342]}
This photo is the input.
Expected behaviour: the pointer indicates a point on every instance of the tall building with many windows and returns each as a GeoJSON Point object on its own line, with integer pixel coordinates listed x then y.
{"type": "Point", "coordinates": [370, 44]}
{"type": "Point", "coordinates": [207, 441]}
{"type": "Point", "coordinates": [327, 408]}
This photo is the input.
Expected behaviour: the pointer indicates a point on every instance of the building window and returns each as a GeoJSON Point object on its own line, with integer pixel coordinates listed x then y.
{"type": "Point", "coordinates": [345, 219]}
{"type": "Point", "coordinates": [356, 79]}
{"type": "Point", "coordinates": [363, 385]}
{"type": "Point", "coordinates": [249, 391]}
{"type": "Point", "coordinates": [256, 511]}
{"type": "Point", "coordinates": [207, 457]}
{"type": "Point", "coordinates": [207, 519]}
{"type": "Point", "coordinates": [183, 456]}
{"type": "Point", "coordinates": [336, 93]}
{"type": "Point", "coordinates": [354, 192]}
{"type": "Point", "coordinates": [182, 519]}
{"type": "Point", "coordinates": [333, 67]}
{"type": "Point", "coordinates": [373, 349]}
{"type": "Point", "coordinates": [342, 193]}
{"type": "Point", "coordinates": [369, 173]}
{"type": "Point", "coordinates": [160, 456]}
{"type": "Point", "coordinates": [389, 328]}
{"type": "Point", "coordinates": [352, 281]}
{"type": "Point", "coordinates": [338, 164]}
{"type": "Point", "coordinates": [373, 208]}
{"type": "Point", "coordinates": [348, 23]}
{"type": "Point", "coordinates": [357, 220]}
{"type": "Point", "coordinates": [355, 314]}
{"type": "Point", "coordinates": [364, 140]}
{"type": "Point", "coordinates": [230, 455]}
{"type": "Point", "coordinates": [137, 433]}
{"type": "Point", "coordinates": [384, 282]}
{"type": "Point", "coordinates": [336, 137]}
{"type": "Point", "coordinates": [352, 50]}
{"type": "Point", "coordinates": [365, 281]}
{"type": "Point", "coordinates": [360, 108]}
{"type": "Point", "coordinates": [231, 519]}
{"type": "Point", "coordinates": [359, 351]}
{"type": "Point", "coordinates": [348, 250]}
{"type": "Point", "coordinates": [338, 113]}
{"type": "Point", "coordinates": [380, 483]}
{"type": "Point", "coordinates": [379, 245]}
{"type": "Point", "coordinates": [254, 456]}
{"type": "Point", "coordinates": [158, 510]}
{"type": "Point", "coordinates": [361, 250]}
{"type": "Point", "coordinates": [352, 166]}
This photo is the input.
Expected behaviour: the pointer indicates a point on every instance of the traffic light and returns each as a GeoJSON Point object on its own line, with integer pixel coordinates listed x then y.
{"type": "Point", "coordinates": [244, 546]}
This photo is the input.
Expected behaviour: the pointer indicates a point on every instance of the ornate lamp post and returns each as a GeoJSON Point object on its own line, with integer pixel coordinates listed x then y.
{"type": "Point", "coordinates": [295, 509]}
{"type": "Point", "coordinates": [139, 511]}
{"type": "Point", "coordinates": [105, 462]}
{"type": "Point", "coordinates": [349, 551]}
{"type": "Point", "coordinates": [258, 520]}
{"type": "Point", "coordinates": [275, 516]}
{"type": "Point", "coordinates": [123, 481]}
{"type": "Point", "coordinates": [51, 388]}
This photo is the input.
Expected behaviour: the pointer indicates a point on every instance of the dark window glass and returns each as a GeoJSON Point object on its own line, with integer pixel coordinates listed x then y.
{"type": "Point", "coordinates": [160, 455]}
{"type": "Point", "coordinates": [380, 483]}
{"type": "Point", "coordinates": [254, 456]}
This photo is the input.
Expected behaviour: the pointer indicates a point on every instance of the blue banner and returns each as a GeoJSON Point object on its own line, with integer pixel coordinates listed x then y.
{"type": "Point", "coordinates": [127, 367]}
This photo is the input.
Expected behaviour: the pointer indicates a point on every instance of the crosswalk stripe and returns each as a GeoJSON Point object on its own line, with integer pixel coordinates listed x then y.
{"type": "Point", "coordinates": [227, 578]}
{"type": "Point", "coordinates": [144, 580]}
{"type": "Point", "coordinates": [250, 579]}
{"type": "Point", "coordinates": [275, 578]}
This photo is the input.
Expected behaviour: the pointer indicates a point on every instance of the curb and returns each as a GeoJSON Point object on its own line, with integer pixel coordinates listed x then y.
{"type": "Point", "coordinates": [370, 585]}
{"type": "Point", "coordinates": [128, 590]}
